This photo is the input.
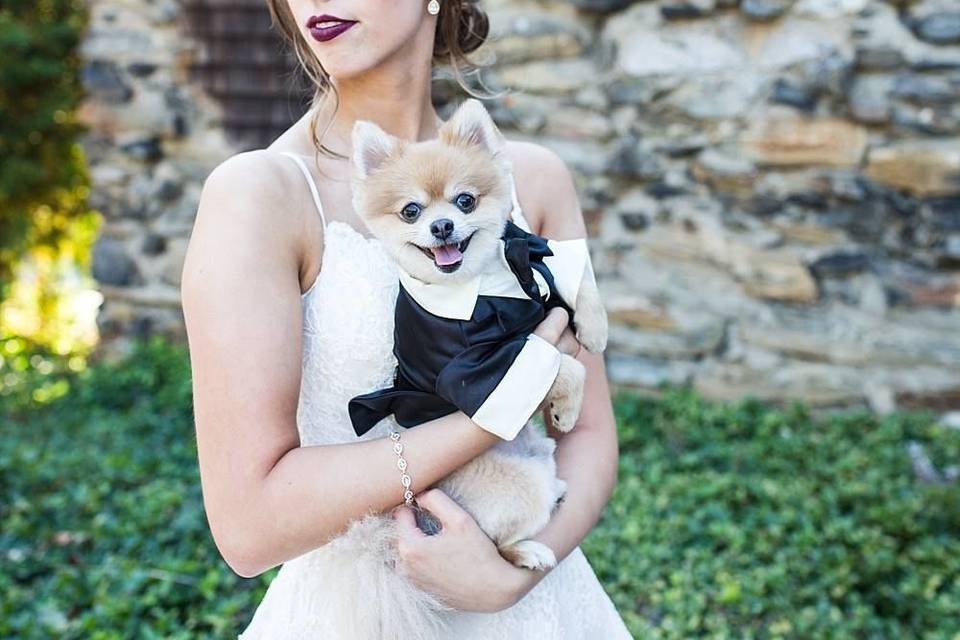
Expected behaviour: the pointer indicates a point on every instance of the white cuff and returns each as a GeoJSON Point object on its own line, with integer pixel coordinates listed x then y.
{"type": "Point", "coordinates": [569, 264]}
{"type": "Point", "coordinates": [521, 390]}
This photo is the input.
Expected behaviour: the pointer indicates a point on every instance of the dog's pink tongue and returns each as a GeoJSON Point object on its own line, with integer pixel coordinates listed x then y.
{"type": "Point", "coordinates": [447, 254]}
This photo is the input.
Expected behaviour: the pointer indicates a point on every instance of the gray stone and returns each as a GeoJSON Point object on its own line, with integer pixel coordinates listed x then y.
{"type": "Point", "coordinates": [586, 157]}
{"type": "Point", "coordinates": [764, 10]}
{"type": "Point", "coordinates": [145, 150]}
{"type": "Point", "coordinates": [822, 46]}
{"type": "Point", "coordinates": [153, 244]}
{"type": "Point", "coordinates": [634, 371]}
{"type": "Point", "coordinates": [104, 80]}
{"type": "Point", "coordinates": [951, 247]}
{"type": "Point", "coordinates": [878, 58]}
{"type": "Point", "coordinates": [821, 385]}
{"type": "Point", "coordinates": [800, 97]}
{"type": "Point", "coordinates": [635, 221]}
{"type": "Point", "coordinates": [112, 264]}
{"type": "Point", "coordinates": [873, 296]}
{"type": "Point", "coordinates": [839, 263]}
{"type": "Point", "coordinates": [549, 76]}
{"type": "Point", "coordinates": [830, 9]}
{"type": "Point", "coordinates": [925, 89]}
{"type": "Point", "coordinates": [666, 345]}
{"type": "Point", "coordinates": [869, 99]}
{"type": "Point", "coordinates": [929, 121]}
{"type": "Point", "coordinates": [945, 212]}
{"type": "Point", "coordinates": [687, 9]}
{"type": "Point", "coordinates": [645, 47]}
{"type": "Point", "coordinates": [923, 468]}
{"type": "Point", "coordinates": [717, 95]}
{"type": "Point", "coordinates": [602, 5]}
{"type": "Point", "coordinates": [142, 69]}
{"type": "Point", "coordinates": [628, 158]}
{"type": "Point", "coordinates": [523, 36]}
{"type": "Point", "coordinates": [951, 420]}
{"type": "Point", "coordinates": [726, 171]}
{"type": "Point", "coordinates": [639, 90]}
{"type": "Point", "coordinates": [939, 28]}
{"type": "Point", "coordinates": [176, 254]}
{"type": "Point", "coordinates": [880, 398]}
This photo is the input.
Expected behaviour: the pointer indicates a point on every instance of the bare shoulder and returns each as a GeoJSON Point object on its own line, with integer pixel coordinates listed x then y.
{"type": "Point", "coordinates": [546, 190]}
{"type": "Point", "coordinates": [248, 188]}
{"type": "Point", "coordinates": [250, 201]}
{"type": "Point", "coordinates": [260, 177]}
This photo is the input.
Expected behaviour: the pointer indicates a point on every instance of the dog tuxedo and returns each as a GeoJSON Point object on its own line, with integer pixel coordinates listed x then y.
{"type": "Point", "coordinates": [469, 346]}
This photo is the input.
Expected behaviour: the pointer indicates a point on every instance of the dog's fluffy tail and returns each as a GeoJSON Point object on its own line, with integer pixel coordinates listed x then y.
{"type": "Point", "coordinates": [367, 598]}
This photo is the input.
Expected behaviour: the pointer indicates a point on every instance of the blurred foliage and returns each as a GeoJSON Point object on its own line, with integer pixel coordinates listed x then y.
{"type": "Point", "coordinates": [46, 230]}
{"type": "Point", "coordinates": [728, 521]}
{"type": "Point", "coordinates": [744, 521]}
{"type": "Point", "coordinates": [102, 528]}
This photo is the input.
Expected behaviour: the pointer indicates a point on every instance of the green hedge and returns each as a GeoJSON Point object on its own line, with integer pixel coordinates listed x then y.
{"type": "Point", "coordinates": [736, 521]}
{"type": "Point", "coordinates": [742, 521]}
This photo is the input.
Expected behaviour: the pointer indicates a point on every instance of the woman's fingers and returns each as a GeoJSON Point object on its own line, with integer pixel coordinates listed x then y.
{"type": "Point", "coordinates": [568, 343]}
{"type": "Point", "coordinates": [555, 329]}
{"type": "Point", "coordinates": [552, 326]}
{"type": "Point", "coordinates": [444, 508]}
{"type": "Point", "coordinates": [406, 522]}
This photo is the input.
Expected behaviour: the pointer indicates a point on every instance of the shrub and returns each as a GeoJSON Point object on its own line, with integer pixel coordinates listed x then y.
{"type": "Point", "coordinates": [728, 521]}
{"type": "Point", "coordinates": [742, 521]}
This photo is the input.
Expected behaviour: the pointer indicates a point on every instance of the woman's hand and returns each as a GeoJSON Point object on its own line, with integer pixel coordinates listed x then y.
{"type": "Point", "coordinates": [460, 565]}
{"type": "Point", "coordinates": [555, 329]}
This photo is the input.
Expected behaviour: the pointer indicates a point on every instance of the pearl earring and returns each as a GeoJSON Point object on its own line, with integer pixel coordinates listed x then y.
{"type": "Point", "coordinates": [433, 7]}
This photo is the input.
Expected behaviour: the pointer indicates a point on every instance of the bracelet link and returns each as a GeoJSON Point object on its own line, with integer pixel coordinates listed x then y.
{"type": "Point", "coordinates": [405, 479]}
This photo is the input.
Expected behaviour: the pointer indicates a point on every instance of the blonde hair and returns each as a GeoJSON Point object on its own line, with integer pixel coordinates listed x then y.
{"type": "Point", "coordinates": [462, 26]}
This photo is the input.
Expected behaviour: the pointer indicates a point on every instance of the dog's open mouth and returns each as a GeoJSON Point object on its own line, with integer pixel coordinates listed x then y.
{"type": "Point", "coordinates": [447, 257]}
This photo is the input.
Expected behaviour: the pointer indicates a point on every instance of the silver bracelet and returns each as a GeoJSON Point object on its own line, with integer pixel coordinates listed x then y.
{"type": "Point", "coordinates": [426, 521]}
{"type": "Point", "coordinates": [402, 465]}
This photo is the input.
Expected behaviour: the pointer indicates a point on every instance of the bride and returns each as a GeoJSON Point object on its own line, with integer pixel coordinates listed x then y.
{"type": "Point", "coordinates": [288, 304]}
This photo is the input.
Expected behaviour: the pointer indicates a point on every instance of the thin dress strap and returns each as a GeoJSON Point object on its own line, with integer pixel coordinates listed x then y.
{"type": "Point", "coordinates": [517, 213]}
{"type": "Point", "coordinates": [313, 186]}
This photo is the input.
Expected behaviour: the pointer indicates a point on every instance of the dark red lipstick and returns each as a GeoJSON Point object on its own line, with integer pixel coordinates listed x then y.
{"type": "Point", "coordinates": [326, 27]}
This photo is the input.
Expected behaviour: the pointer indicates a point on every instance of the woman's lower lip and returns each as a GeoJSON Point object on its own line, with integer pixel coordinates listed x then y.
{"type": "Point", "coordinates": [329, 33]}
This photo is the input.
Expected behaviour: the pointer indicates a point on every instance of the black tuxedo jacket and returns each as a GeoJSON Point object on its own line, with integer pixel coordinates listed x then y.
{"type": "Point", "coordinates": [470, 346]}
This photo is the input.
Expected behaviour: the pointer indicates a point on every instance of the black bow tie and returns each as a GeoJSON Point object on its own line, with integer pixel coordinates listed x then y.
{"type": "Point", "coordinates": [524, 252]}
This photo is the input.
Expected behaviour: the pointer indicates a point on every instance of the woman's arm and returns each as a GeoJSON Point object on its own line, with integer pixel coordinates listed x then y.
{"type": "Point", "coordinates": [587, 456]}
{"type": "Point", "coordinates": [267, 498]}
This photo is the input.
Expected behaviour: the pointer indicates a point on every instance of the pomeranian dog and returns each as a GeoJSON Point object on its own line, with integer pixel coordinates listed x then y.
{"type": "Point", "coordinates": [440, 209]}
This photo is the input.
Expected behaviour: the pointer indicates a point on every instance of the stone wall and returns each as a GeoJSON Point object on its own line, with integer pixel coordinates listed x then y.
{"type": "Point", "coordinates": [772, 186]}
{"type": "Point", "coordinates": [173, 89]}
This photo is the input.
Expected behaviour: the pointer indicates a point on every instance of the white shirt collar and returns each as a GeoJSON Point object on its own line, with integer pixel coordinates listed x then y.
{"type": "Point", "coordinates": [457, 300]}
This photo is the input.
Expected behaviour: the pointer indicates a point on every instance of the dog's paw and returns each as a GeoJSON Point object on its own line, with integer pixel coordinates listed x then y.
{"type": "Point", "coordinates": [591, 328]}
{"type": "Point", "coordinates": [529, 554]}
{"type": "Point", "coordinates": [590, 318]}
{"type": "Point", "coordinates": [566, 396]}
{"type": "Point", "coordinates": [561, 417]}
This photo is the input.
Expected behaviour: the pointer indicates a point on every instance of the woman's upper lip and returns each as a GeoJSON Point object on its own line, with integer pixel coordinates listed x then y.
{"type": "Point", "coordinates": [326, 17]}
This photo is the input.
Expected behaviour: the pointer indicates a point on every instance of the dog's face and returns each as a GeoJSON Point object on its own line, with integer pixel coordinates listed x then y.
{"type": "Point", "coordinates": [438, 206]}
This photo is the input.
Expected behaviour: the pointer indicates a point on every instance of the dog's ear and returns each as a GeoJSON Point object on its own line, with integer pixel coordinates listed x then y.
{"type": "Point", "coordinates": [471, 124]}
{"type": "Point", "coordinates": [371, 147]}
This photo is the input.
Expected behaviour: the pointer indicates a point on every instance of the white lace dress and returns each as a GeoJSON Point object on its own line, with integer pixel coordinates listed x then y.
{"type": "Point", "coordinates": [347, 350]}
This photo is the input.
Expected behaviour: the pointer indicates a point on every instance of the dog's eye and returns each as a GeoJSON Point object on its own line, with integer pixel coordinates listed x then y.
{"type": "Point", "coordinates": [465, 202]}
{"type": "Point", "coordinates": [411, 211]}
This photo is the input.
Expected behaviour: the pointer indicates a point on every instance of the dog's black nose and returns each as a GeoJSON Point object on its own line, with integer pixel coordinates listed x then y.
{"type": "Point", "coordinates": [441, 228]}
